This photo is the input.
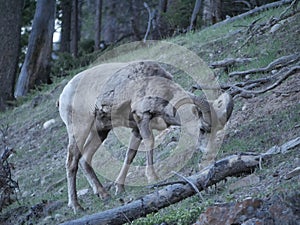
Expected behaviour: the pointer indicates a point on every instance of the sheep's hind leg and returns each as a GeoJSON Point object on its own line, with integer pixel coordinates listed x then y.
{"type": "Point", "coordinates": [93, 142]}
{"type": "Point", "coordinates": [134, 144]}
{"type": "Point", "coordinates": [150, 172]}
{"type": "Point", "coordinates": [148, 138]}
{"type": "Point", "coordinates": [72, 168]}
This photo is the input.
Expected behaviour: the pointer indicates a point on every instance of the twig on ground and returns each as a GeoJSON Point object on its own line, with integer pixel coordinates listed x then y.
{"type": "Point", "coordinates": [253, 12]}
{"type": "Point", "coordinates": [276, 64]}
{"type": "Point", "coordinates": [255, 29]}
{"type": "Point", "coordinates": [230, 62]}
{"type": "Point", "coordinates": [128, 220]}
{"type": "Point", "coordinates": [191, 183]}
{"type": "Point", "coordinates": [290, 72]}
{"type": "Point", "coordinates": [292, 5]}
{"type": "Point", "coordinates": [244, 89]}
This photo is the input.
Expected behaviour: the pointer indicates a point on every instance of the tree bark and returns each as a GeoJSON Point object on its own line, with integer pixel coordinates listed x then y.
{"type": "Point", "coordinates": [10, 31]}
{"type": "Point", "coordinates": [98, 23]}
{"type": "Point", "coordinates": [66, 6]}
{"type": "Point", "coordinates": [211, 12]}
{"type": "Point", "coordinates": [133, 8]}
{"type": "Point", "coordinates": [161, 25]}
{"type": "Point", "coordinates": [74, 29]}
{"type": "Point", "coordinates": [36, 67]}
{"type": "Point", "coordinates": [163, 6]}
{"type": "Point", "coordinates": [110, 33]}
{"type": "Point", "coordinates": [196, 10]}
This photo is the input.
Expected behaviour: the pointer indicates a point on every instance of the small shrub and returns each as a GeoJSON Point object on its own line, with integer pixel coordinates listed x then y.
{"type": "Point", "coordinates": [8, 186]}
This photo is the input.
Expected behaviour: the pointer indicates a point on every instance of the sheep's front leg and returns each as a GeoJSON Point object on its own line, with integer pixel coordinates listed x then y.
{"type": "Point", "coordinates": [134, 144]}
{"type": "Point", "coordinates": [148, 138]}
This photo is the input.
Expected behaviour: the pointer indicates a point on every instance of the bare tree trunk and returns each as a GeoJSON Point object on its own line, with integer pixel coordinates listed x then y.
{"type": "Point", "coordinates": [36, 67]}
{"type": "Point", "coordinates": [80, 19]}
{"type": "Point", "coordinates": [160, 28]}
{"type": "Point", "coordinates": [10, 31]}
{"type": "Point", "coordinates": [196, 10]}
{"type": "Point", "coordinates": [134, 19]}
{"type": "Point", "coordinates": [74, 29]}
{"type": "Point", "coordinates": [211, 11]}
{"type": "Point", "coordinates": [98, 22]}
{"type": "Point", "coordinates": [109, 32]}
{"type": "Point", "coordinates": [163, 5]}
{"type": "Point", "coordinates": [66, 6]}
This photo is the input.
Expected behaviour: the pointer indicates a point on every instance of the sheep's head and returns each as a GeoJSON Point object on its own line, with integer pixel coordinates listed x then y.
{"type": "Point", "coordinates": [213, 116]}
{"type": "Point", "coordinates": [221, 110]}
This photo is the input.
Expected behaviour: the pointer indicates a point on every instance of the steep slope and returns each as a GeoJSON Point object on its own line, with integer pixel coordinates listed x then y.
{"type": "Point", "coordinates": [257, 124]}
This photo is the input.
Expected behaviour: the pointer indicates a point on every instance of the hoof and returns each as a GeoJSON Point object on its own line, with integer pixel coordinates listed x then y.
{"type": "Point", "coordinates": [151, 174]}
{"type": "Point", "coordinates": [106, 197]}
{"type": "Point", "coordinates": [205, 164]}
{"type": "Point", "coordinates": [152, 179]}
{"type": "Point", "coordinates": [120, 188]}
{"type": "Point", "coordinates": [76, 207]}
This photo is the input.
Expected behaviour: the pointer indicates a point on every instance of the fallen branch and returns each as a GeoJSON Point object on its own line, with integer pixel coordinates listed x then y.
{"type": "Point", "coordinates": [191, 183]}
{"type": "Point", "coordinates": [276, 64]}
{"type": "Point", "coordinates": [272, 24]}
{"type": "Point", "coordinates": [290, 72]}
{"type": "Point", "coordinates": [253, 12]}
{"type": "Point", "coordinates": [230, 62]}
{"type": "Point", "coordinates": [244, 89]}
{"type": "Point", "coordinates": [234, 165]}
{"type": "Point", "coordinates": [246, 85]}
{"type": "Point", "coordinates": [292, 6]}
{"type": "Point", "coordinates": [293, 173]}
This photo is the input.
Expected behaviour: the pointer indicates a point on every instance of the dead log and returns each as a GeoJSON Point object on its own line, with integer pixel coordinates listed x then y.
{"type": "Point", "coordinates": [276, 64]}
{"type": "Point", "coordinates": [291, 71]}
{"type": "Point", "coordinates": [253, 12]}
{"type": "Point", "coordinates": [234, 165]}
{"type": "Point", "coordinates": [237, 88]}
{"type": "Point", "coordinates": [230, 62]}
{"type": "Point", "coordinates": [245, 89]}
{"type": "Point", "coordinates": [293, 6]}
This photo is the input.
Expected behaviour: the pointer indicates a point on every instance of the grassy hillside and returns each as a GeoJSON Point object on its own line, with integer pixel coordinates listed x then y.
{"type": "Point", "coordinates": [257, 124]}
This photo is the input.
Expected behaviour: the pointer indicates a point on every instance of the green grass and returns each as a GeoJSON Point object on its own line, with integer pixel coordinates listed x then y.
{"type": "Point", "coordinates": [265, 132]}
{"type": "Point", "coordinates": [181, 213]}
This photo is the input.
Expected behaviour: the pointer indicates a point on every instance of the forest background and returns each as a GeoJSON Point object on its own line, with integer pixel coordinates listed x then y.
{"type": "Point", "coordinates": [47, 38]}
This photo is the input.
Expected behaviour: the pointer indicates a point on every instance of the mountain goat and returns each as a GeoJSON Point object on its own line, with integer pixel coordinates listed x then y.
{"type": "Point", "coordinates": [138, 95]}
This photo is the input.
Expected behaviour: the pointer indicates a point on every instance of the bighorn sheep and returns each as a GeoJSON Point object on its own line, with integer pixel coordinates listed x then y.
{"type": "Point", "coordinates": [139, 95]}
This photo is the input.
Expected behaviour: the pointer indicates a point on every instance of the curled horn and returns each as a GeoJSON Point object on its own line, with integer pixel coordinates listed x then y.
{"type": "Point", "coordinates": [202, 105]}
{"type": "Point", "coordinates": [205, 109]}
